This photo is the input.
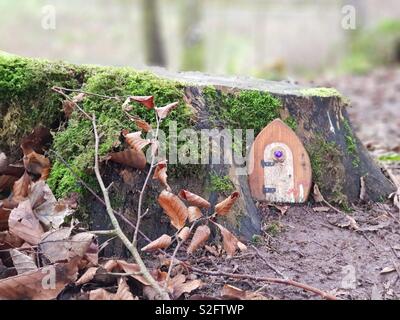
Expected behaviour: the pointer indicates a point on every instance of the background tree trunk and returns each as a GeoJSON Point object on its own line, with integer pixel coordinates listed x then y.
{"type": "Point", "coordinates": [155, 55]}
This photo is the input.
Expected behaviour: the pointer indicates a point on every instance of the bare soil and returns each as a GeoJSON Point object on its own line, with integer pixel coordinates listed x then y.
{"type": "Point", "coordinates": [320, 249]}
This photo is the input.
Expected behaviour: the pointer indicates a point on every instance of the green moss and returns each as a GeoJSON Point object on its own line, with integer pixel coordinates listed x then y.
{"type": "Point", "coordinates": [76, 144]}
{"type": "Point", "coordinates": [25, 88]}
{"type": "Point", "coordinates": [273, 228]}
{"type": "Point", "coordinates": [320, 92]}
{"type": "Point", "coordinates": [247, 109]}
{"type": "Point", "coordinates": [390, 157]}
{"type": "Point", "coordinates": [221, 183]}
{"type": "Point", "coordinates": [351, 144]}
{"type": "Point", "coordinates": [327, 168]}
{"type": "Point", "coordinates": [291, 122]}
{"type": "Point", "coordinates": [257, 240]}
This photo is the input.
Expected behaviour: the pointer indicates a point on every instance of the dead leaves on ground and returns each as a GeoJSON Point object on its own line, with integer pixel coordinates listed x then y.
{"type": "Point", "coordinates": [123, 293]}
{"type": "Point", "coordinates": [29, 213]}
{"type": "Point", "coordinates": [233, 293]}
{"type": "Point", "coordinates": [42, 284]}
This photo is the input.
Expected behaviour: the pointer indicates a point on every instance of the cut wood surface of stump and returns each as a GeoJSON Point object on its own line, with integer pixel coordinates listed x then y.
{"type": "Point", "coordinates": [318, 117]}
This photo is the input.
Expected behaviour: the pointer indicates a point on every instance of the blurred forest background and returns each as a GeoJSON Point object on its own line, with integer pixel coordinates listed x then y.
{"type": "Point", "coordinates": [272, 39]}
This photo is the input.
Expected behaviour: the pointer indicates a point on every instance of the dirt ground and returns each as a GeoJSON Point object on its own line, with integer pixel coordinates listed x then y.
{"type": "Point", "coordinates": [321, 248]}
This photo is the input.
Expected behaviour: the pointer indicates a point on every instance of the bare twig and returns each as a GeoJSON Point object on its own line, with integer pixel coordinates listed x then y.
{"type": "Point", "coordinates": [178, 246]}
{"type": "Point", "coordinates": [60, 91]}
{"type": "Point", "coordinates": [162, 294]}
{"type": "Point", "coordinates": [88, 93]}
{"type": "Point", "coordinates": [104, 232]}
{"type": "Point", "coordinates": [289, 282]}
{"type": "Point", "coordinates": [279, 273]}
{"type": "Point", "coordinates": [142, 192]}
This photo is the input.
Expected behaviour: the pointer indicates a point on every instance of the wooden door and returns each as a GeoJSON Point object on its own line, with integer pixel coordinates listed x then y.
{"type": "Point", "coordinates": [279, 166]}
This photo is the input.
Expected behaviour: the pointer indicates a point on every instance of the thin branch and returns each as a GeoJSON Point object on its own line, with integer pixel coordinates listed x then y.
{"type": "Point", "coordinates": [178, 246]}
{"type": "Point", "coordinates": [289, 282]}
{"type": "Point", "coordinates": [59, 90]}
{"type": "Point", "coordinates": [89, 93]}
{"type": "Point", "coordinates": [104, 232]}
{"type": "Point", "coordinates": [142, 192]}
{"type": "Point", "coordinates": [162, 294]}
{"type": "Point", "coordinates": [279, 273]}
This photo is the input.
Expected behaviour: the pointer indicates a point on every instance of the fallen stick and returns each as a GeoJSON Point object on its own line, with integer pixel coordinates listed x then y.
{"type": "Point", "coordinates": [289, 282]}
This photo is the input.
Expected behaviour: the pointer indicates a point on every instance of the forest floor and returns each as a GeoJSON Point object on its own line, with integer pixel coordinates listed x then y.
{"type": "Point", "coordinates": [321, 248]}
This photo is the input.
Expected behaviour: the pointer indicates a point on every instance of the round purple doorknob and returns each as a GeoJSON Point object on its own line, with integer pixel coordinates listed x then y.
{"type": "Point", "coordinates": [278, 154]}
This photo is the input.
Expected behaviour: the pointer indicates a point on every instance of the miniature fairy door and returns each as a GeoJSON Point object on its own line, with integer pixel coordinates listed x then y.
{"type": "Point", "coordinates": [279, 166]}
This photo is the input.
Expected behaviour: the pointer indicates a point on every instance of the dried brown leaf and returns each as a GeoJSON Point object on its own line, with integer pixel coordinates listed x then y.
{"type": "Point", "coordinates": [53, 245]}
{"type": "Point", "coordinates": [396, 198]}
{"type": "Point", "coordinates": [135, 141]}
{"type": "Point", "coordinates": [225, 206]}
{"type": "Point", "coordinates": [38, 284]}
{"type": "Point", "coordinates": [8, 240]}
{"type": "Point", "coordinates": [34, 162]}
{"type": "Point", "coordinates": [199, 238]}
{"type": "Point", "coordinates": [129, 157]}
{"type": "Point", "coordinates": [24, 224]}
{"type": "Point", "coordinates": [147, 101]}
{"type": "Point", "coordinates": [230, 242]}
{"type": "Point", "coordinates": [87, 276]}
{"type": "Point", "coordinates": [101, 294]}
{"type": "Point", "coordinates": [317, 194]}
{"type": "Point", "coordinates": [194, 199]}
{"type": "Point", "coordinates": [22, 262]}
{"type": "Point", "coordinates": [184, 234]}
{"type": "Point", "coordinates": [58, 246]}
{"type": "Point", "coordinates": [178, 285]}
{"type": "Point", "coordinates": [164, 111]}
{"type": "Point", "coordinates": [51, 213]}
{"type": "Point", "coordinates": [21, 188]}
{"type": "Point", "coordinates": [232, 292]}
{"type": "Point", "coordinates": [132, 268]}
{"type": "Point", "coordinates": [174, 208]}
{"type": "Point", "coordinates": [194, 214]}
{"type": "Point", "coordinates": [123, 292]}
{"type": "Point", "coordinates": [161, 243]}
{"type": "Point", "coordinates": [160, 174]}
{"type": "Point", "coordinates": [142, 125]}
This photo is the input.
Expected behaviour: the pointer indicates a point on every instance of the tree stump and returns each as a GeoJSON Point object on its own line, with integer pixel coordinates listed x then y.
{"type": "Point", "coordinates": [317, 115]}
